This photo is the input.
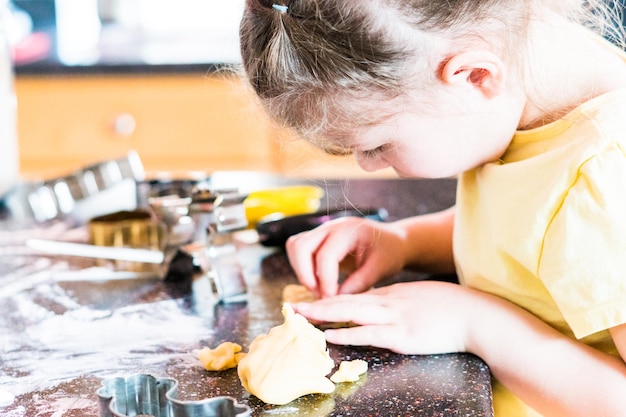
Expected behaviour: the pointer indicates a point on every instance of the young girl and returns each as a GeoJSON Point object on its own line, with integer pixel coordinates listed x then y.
{"type": "Point", "coordinates": [528, 107]}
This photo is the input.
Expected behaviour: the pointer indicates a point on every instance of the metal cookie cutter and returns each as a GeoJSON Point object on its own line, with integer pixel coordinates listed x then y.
{"type": "Point", "coordinates": [90, 191]}
{"type": "Point", "coordinates": [144, 395]}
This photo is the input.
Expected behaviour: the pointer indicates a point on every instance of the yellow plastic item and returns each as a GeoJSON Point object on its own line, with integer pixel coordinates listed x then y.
{"type": "Point", "coordinates": [288, 201]}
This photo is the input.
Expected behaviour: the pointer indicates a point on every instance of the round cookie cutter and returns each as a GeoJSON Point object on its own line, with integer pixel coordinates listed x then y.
{"type": "Point", "coordinates": [130, 229]}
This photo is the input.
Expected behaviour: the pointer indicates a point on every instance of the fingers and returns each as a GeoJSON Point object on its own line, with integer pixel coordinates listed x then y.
{"type": "Point", "coordinates": [316, 255]}
{"type": "Point", "coordinates": [375, 322]}
{"type": "Point", "coordinates": [301, 251]}
{"type": "Point", "coordinates": [361, 309]}
{"type": "Point", "coordinates": [420, 317]}
{"type": "Point", "coordinates": [363, 278]}
{"type": "Point", "coordinates": [382, 336]}
{"type": "Point", "coordinates": [328, 258]}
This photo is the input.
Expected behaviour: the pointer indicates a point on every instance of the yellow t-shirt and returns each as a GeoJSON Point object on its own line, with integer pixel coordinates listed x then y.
{"type": "Point", "coordinates": [545, 227]}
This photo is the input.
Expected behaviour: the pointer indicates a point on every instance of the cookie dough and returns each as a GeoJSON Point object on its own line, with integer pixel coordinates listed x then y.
{"type": "Point", "coordinates": [295, 293]}
{"type": "Point", "coordinates": [288, 362]}
{"type": "Point", "coordinates": [225, 356]}
{"type": "Point", "coordinates": [349, 371]}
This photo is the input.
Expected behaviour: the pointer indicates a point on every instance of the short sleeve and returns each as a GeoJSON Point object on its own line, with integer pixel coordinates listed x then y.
{"type": "Point", "coordinates": [583, 260]}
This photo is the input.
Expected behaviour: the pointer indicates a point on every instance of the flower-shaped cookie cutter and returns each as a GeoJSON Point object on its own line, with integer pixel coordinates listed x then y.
{"type": "Point", "coordinates": [146, 395]}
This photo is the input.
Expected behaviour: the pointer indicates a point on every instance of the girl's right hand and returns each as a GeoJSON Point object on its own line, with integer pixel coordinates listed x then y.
{"type": "Point", "coordinates": [375, 250]}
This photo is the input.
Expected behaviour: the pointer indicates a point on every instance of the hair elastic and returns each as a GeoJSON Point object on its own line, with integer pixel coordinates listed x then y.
{"type": "Point", "coordinates": [280, 7]}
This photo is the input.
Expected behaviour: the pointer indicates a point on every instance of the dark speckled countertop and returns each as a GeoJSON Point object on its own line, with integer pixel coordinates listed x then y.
{"type": "Point", "coordinates": [61, 337]}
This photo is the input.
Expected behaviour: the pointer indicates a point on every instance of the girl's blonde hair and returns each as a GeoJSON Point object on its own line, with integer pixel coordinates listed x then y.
{"type": "Point", "coordinates": [316, 65]}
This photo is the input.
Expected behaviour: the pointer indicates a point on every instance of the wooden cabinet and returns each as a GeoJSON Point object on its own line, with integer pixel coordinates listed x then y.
{"type": "Point", "coordinates": [181, 122]}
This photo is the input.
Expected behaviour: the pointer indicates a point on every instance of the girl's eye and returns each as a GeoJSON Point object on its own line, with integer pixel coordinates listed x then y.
{"type": "Point", "coordinates": [371, 153]}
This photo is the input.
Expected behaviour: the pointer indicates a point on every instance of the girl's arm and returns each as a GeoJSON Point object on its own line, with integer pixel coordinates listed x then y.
{"type": "Point", "coordinates": [429, 241]}
{"type": "Point", "coordinates": [554, 374]}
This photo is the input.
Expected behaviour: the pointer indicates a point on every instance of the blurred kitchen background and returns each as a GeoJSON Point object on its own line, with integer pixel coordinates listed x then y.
{"type": "Point", "coordinates": [128, 32]}
{"type": "Point", "coordinates": [95, 79]}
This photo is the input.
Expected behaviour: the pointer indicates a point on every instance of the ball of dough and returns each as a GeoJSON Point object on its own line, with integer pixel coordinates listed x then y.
{"type": "Point", "coordinates": [288, 362]}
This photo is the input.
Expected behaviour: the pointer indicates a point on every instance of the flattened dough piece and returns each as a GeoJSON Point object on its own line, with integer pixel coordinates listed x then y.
{"type": "Point", "coordinates": [227, 355]}
{"type": "Point", "coordinates": [295, 293]}
{"type": "Point", "coordinates": [349, 371]}
{"type": "Point", "coordinates": [288, 362]}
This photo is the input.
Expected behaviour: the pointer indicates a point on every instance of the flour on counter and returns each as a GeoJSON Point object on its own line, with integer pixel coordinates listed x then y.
{"type": "Point", "coordinates": [96, 342]}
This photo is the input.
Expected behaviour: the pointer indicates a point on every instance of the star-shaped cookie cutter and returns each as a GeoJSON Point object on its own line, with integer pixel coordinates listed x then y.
{"type": "Point", "coordinates": [146, 395]}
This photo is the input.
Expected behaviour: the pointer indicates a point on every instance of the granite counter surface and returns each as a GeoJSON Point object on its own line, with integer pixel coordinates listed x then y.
{"type": "Point", "coordinates": [61, 336]}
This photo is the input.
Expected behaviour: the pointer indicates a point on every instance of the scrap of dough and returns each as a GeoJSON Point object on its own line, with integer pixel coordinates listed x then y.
{"type": "Point", "coordinates": [225, 356]}
{"type": "Point", "coordinates": [349, 371]}
{"type": "Point", "coordinates": [295, 293]}
{"type": "Point", "coordinates": [288, 362]}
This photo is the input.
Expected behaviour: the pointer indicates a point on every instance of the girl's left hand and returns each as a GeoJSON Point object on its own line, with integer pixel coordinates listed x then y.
{"type": "Point", "coordinates": [425, 317]}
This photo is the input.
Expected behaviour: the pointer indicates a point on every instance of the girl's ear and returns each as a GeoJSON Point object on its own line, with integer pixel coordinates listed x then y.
{"type": "Point", "coordinates": [479, 69]}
